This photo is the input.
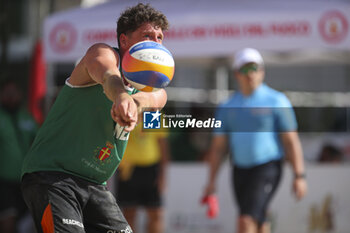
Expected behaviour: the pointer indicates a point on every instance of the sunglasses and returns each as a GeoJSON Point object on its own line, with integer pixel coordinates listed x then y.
{"type": "Point", "coordinates": [249, 68]}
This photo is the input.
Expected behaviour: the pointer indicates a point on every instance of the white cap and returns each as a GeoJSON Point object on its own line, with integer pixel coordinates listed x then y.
{"type": "Point", "coordinates": [247, 55]}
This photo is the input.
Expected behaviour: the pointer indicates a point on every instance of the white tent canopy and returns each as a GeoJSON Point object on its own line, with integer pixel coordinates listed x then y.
{"type": "Point", "coordinates": [206, 28]}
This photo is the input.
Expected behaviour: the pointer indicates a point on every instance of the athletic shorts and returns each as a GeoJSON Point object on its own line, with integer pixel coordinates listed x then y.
{"type": "Point", "coordinates": [140, 189]}
{"type": "Point", "coordinates": [11, 200]}
{"type": "Point", "coordinates": [61, 202]}
{"type": "Point", "coordinates": [254, 188]}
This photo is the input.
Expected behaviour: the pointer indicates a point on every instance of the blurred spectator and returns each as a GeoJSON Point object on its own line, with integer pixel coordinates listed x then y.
{"type": "Point", "coordinates": [17, 131]}
{"type": "Point", "coordinates": [330, 154]}
{"type": "Point", "coordinates": [259, 126]}
{"type": "Point", "coordinates": [141, 177]}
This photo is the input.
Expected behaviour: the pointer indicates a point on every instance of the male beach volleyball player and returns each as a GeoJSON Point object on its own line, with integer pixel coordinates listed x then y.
{"type": "Point", "coordinates": [85, 134]}
{"type": "Point", "coordinates": [260, 128]}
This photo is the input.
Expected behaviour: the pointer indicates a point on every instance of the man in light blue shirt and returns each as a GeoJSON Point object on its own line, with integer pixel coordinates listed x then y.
{"type": "Point", "coordinates": [259, 125]}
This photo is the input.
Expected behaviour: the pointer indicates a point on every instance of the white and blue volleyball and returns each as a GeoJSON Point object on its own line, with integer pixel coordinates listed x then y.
{"type": "Point", "coordinates": [148, 66]}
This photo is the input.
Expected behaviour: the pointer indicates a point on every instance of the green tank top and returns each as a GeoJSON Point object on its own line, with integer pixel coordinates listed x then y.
{"type": "Point", "coordinates": [79, 136]}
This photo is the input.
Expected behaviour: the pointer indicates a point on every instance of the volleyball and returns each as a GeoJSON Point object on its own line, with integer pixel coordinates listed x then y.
{"type": "Point", "coordinates": [148, 66]}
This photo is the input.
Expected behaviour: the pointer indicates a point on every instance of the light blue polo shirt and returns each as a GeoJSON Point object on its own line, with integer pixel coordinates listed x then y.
{"type": "Point", "coordinates": [253, 124]}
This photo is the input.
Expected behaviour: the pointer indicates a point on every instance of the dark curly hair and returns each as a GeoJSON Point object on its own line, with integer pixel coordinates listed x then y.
{"type": "Point", "coordinates": [133, 17]}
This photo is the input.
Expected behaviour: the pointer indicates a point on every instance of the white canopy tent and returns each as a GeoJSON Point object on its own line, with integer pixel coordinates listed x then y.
{"type": "Point", "coordinates": [205, 28]}
{"type": "Point", "coordinates": [286, 32]}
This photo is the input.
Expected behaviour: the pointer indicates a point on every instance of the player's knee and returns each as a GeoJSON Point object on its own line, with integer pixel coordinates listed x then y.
{"type": "Point", "coordinates": [247, 224]}
{"type": "Point", "coordinates": [155, 214]}
{"type": "Point", "coordinates": [246, 220]}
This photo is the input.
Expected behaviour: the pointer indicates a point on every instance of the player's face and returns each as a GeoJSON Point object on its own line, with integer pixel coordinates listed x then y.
{"type": "Point", "coordinates": [147, 31]}
{"type": "Point", "coordinates": [250, 76]}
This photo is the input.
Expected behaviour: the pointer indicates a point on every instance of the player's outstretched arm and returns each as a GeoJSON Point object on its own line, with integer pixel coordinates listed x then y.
{"type": "Point", "coordinates": [100, 65]}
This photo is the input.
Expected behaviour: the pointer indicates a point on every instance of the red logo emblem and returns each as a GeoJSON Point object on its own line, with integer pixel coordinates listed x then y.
{"type": "Point", "coordinates": [105, 152]}
{"type": "Point", "coordinates": [63, 37]}
{"type": "Point", "coordinates": [333, 26]}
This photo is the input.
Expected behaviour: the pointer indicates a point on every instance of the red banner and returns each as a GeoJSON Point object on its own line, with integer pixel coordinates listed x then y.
{"type": "Point", "coordinates": [37, 83]}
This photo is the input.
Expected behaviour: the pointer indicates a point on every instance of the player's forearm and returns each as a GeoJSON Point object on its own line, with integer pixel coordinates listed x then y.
{"type": "Point", "coordinates": [113, 86]}
{"type": "Point", "coordinates": [297, 160]}
{"type": "Point", "coordinates": [214, 165]}
{"type": "Point", "coordinates": [215, 156]}
{"type": "Point", "coordinates": [294, 153]}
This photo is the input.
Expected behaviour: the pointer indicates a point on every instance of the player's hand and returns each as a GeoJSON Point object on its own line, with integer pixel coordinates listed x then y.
{"type": "Point", "coordinates": [299, 188]}
{"type": "Point", "coordinates": [124, 111]}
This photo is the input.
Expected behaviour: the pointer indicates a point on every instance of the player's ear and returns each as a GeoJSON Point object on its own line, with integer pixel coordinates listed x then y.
{"type": "Point", "coordinates": [123, 40]}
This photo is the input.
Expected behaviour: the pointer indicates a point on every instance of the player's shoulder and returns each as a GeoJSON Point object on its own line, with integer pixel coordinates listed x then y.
{"type": "Point", "coordinates": [277, 97]}
{"type": "Point", "coordinates": [101, 47]}
{"type": "Point", "coordinates": [100, 50]}
{"type": "Point", "coordinates": [80, 77]}
{"type": "Point", "coordinates": [230, 102]}
{"type": "Point", "coordinates": [225, 103]}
